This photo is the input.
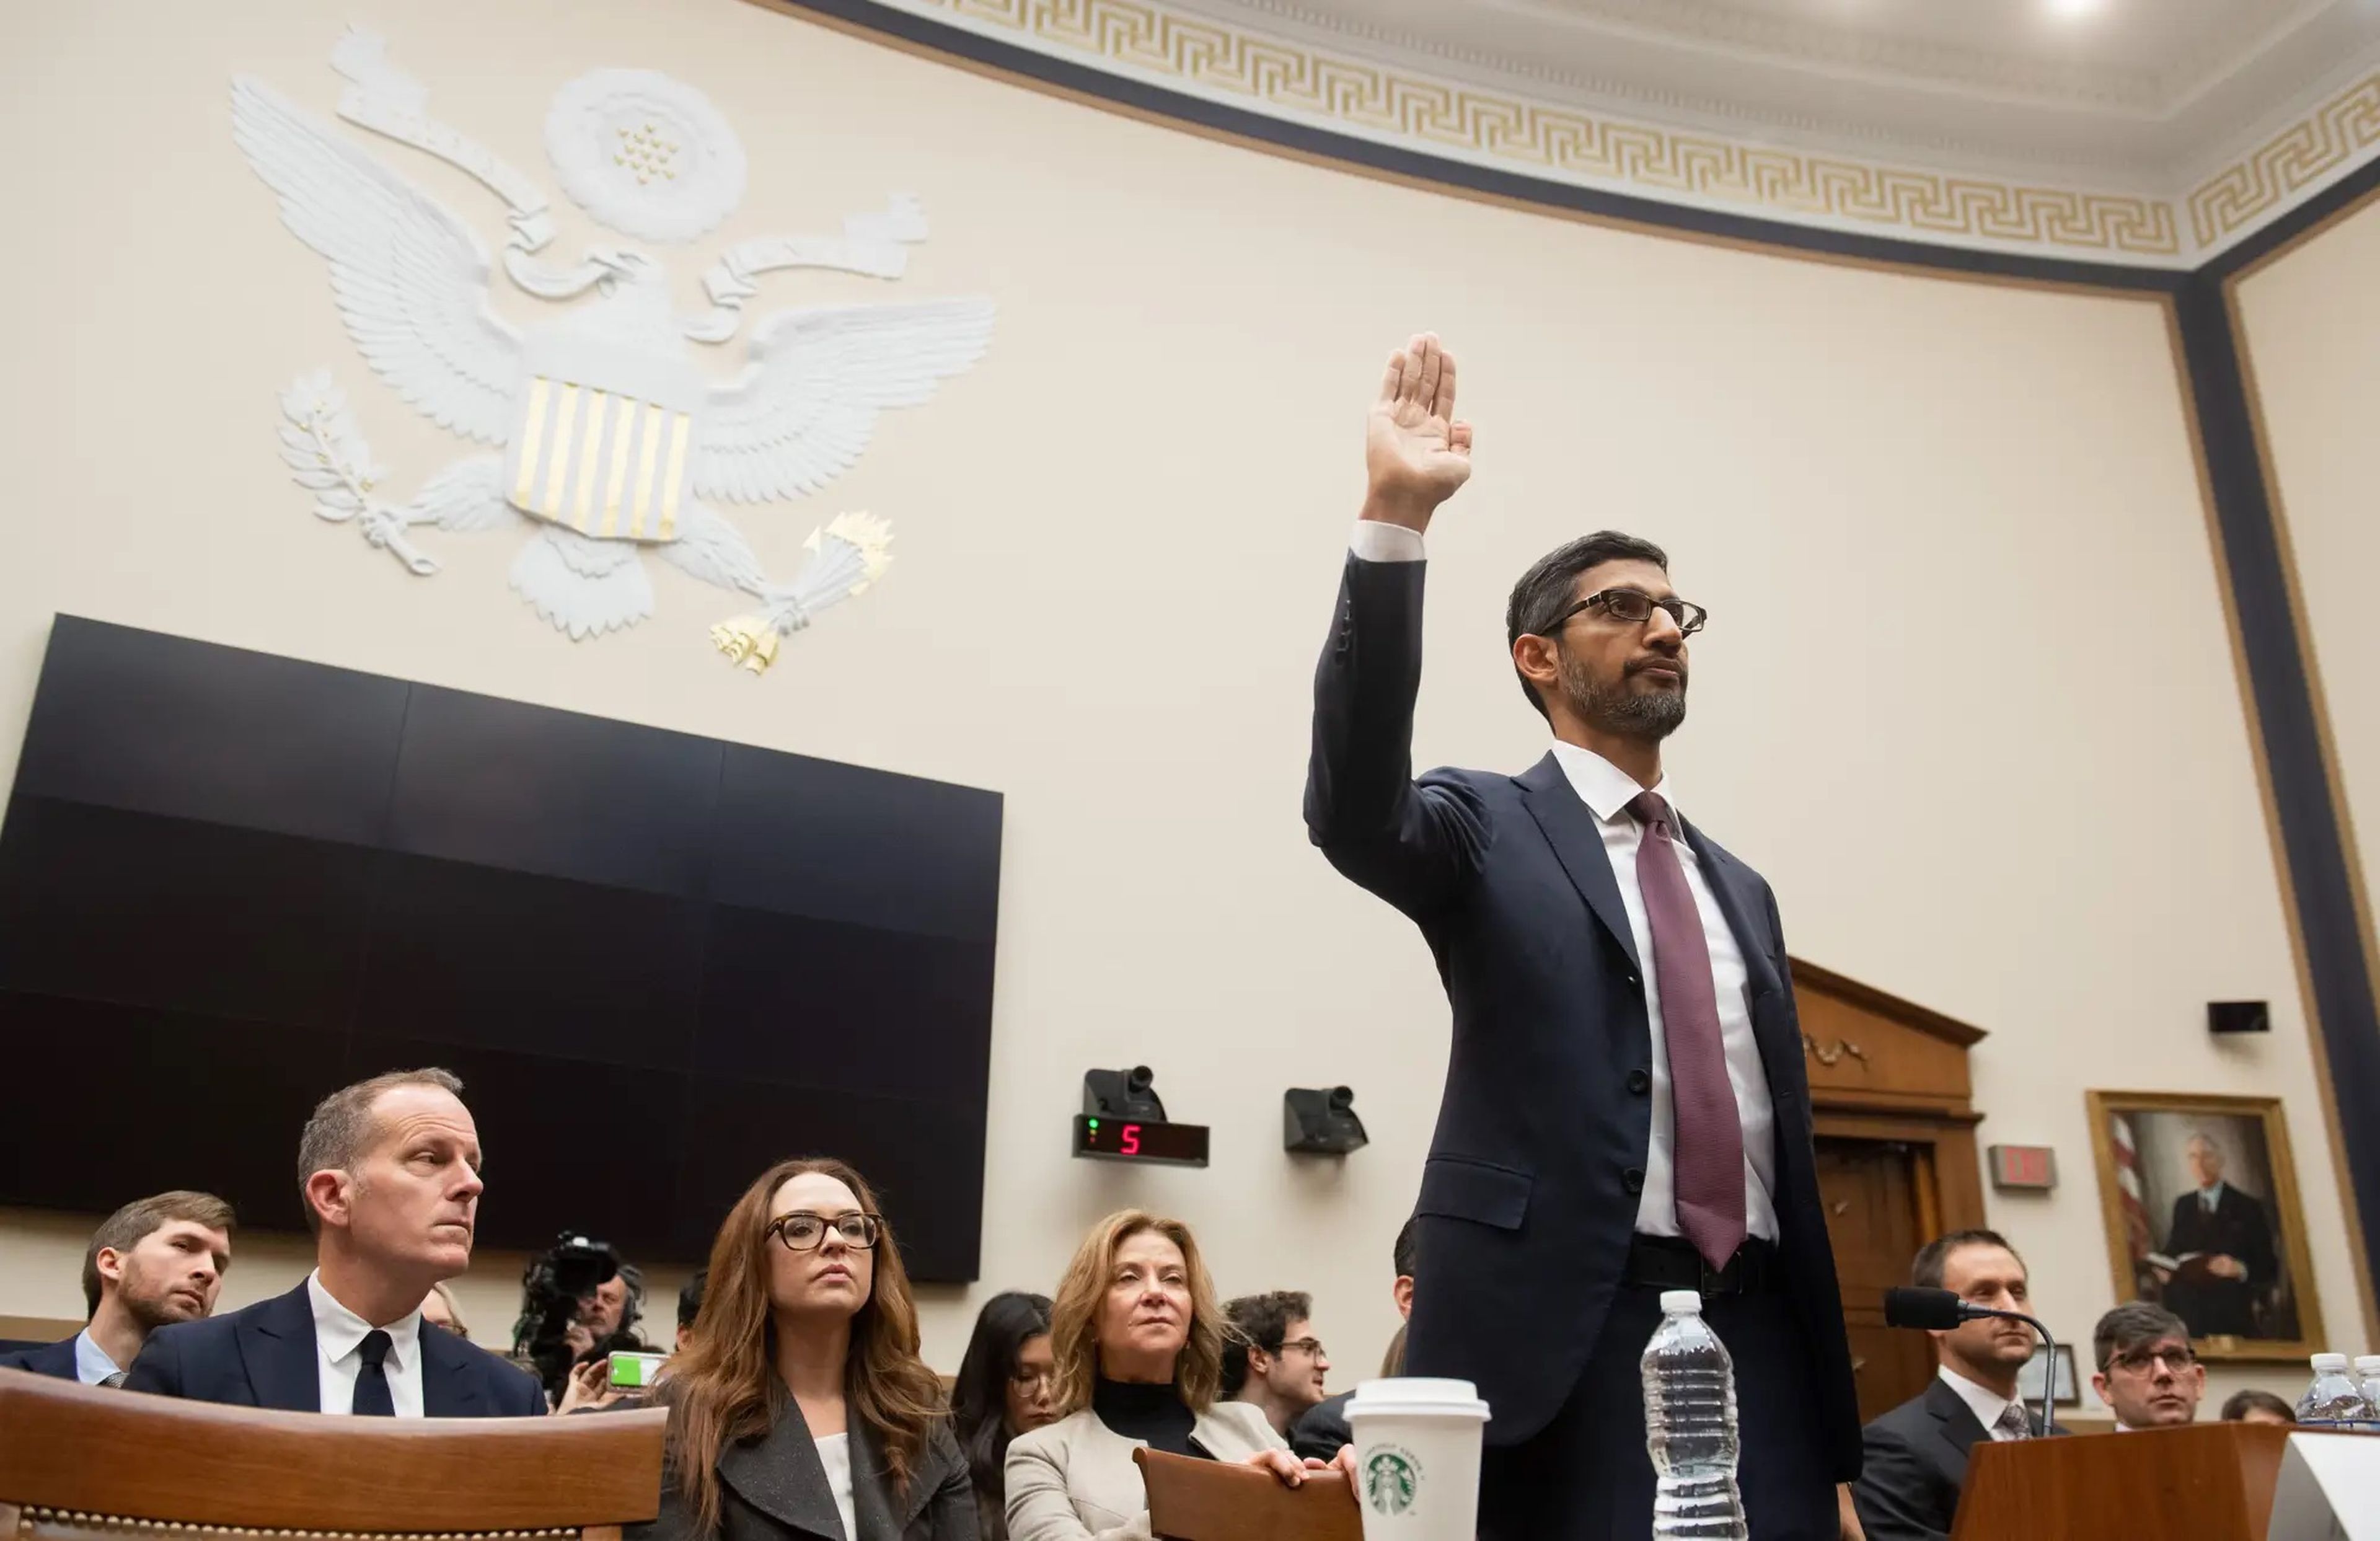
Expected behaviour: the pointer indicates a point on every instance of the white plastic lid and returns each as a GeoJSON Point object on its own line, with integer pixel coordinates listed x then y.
{"type": "Point", "coordinates": [1416, 1395]}
{"type": "Point", "coordinates": [2330, 1364]}
{"type": "Point", "coordinates": [1682, 1303]}
{"type": "Point", "coordinates": [2367, 1364]}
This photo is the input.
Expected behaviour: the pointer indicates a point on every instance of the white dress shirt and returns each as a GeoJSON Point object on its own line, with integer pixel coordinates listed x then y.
{"type": "Point", "coordinates": [338, 1353]}
{"type": "Point", "coordinates": [91, 1363]}
{"type": "Point", "coordinates": [1607, 791]}
{"type": "Point", "coordinates": [1988, 1405]}
{"type": "Point", "coordinates": [835, 1454]}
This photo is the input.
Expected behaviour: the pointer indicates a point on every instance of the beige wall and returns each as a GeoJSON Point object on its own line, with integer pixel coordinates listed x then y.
{"type": "Point", "coordinates": [1967, 698]}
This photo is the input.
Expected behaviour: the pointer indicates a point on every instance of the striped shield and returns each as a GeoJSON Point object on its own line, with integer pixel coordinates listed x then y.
{"type": "Point", "coordinates": [604, 441]}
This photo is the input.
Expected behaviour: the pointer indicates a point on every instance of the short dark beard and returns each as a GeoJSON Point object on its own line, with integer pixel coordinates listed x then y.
{"type": "Point", "coordinates": [1650, 715]}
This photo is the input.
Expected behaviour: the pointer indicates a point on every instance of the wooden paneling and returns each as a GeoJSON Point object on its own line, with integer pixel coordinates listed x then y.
{"type": "Point", "coordinates": [1897, 1161]}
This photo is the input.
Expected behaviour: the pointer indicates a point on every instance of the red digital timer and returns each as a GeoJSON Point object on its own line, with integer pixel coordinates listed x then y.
{"type": "Point", "coordinates": [1176, 1143]}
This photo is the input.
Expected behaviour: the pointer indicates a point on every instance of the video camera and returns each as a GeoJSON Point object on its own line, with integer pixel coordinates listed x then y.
{"type": "Point", "coordinates": [552, 1287]}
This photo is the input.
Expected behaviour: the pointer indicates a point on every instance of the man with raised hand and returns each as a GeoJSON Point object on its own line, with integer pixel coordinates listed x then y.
{"type": "Point", "coordinates": [1625, 1110]}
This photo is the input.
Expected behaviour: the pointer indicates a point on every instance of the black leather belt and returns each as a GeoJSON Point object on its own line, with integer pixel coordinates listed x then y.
{"type": "Point", "coordinates": [1672, 1263]}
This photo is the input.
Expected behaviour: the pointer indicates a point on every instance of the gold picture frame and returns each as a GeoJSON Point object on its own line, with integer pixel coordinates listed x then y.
{"type": "Point", "coordinates": [2240, 1276]}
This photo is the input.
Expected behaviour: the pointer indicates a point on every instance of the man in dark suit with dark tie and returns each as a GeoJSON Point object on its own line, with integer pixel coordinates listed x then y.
{"type": "Point", "coordinates": [2216, 1292]}
{"type": "Point", "coordinates": [389, 1169]}
{"type": "Point", "coordinates": [1625, 1110]}
{"type": "Point", "coordinates": [156, 1261]}
{"type": "Point", "coordinates": [1917, 1454]}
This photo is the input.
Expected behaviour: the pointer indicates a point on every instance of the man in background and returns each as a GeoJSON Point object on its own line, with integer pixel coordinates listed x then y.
{"type": "Point", "coordinates": [2147, 1374]}
{"type": "Point", "coordinates": [1272, 1358]}
{"type": "Point", "coordinates": [2258, 1407]}
{"type": "Point", "coordinates": [2217, 1291]}
{"type": "Point", "coordinates": [156, 1261]}
{"type": "Point", "coordinates": [1915, 1456]}
{"type": "Point", "coordinates": [689, 1305]}
{"type": "Point", "coordinates": [389, 1170]}
{"type": "Point", "coordinates": [1324, 1430]}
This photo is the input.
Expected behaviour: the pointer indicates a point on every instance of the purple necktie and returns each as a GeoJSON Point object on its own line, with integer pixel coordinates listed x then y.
{"type": "Point", "coordinates": [1707, 1162]}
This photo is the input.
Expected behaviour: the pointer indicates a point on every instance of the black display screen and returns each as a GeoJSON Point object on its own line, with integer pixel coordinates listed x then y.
{"type": "Point", "coordinates": [231, 882]}
{"type": "Point", "coordinates": [1127, 1140]}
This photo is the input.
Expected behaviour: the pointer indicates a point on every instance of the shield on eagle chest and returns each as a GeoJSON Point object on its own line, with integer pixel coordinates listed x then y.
{"type": "Point", "coordinates": [604, 439]}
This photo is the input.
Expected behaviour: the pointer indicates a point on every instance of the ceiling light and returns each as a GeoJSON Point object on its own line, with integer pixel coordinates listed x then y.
{"type": "Point", "coordinates": [2072, 7]}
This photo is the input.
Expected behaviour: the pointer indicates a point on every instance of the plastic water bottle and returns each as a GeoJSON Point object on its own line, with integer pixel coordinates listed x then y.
{"type": "Point", "coordinates": [2333, 1400]}
{"type": "Point", "coordinates": [2367, 1375]}
{"type": "Point", "coordinates": [1690, 1426]}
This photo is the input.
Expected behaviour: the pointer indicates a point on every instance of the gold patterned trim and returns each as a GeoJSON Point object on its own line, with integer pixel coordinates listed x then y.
{"type": "Point", "coordinates": [1278, 75]}
{"type": "Point", "coordinates": [82, 1520]}
{"type": "Point", "coordinates": [2333, 138]}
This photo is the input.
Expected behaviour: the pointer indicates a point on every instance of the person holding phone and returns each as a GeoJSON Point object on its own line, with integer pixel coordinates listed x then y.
{"type": "Point", "coordinates": [799, 1408]}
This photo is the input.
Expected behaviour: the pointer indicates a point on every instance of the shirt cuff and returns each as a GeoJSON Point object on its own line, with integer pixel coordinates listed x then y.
{"type": "Point", "coordinates": [1376, 540]}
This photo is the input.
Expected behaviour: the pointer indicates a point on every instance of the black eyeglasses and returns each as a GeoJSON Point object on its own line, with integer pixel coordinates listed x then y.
{"type": "Point", "coordinates": [1635, 607]}
{"type": "Point", "coordinates": [2177, 1358]}
{"type": "Point", "coordinates": [802, 1232]}
{"type": "Point", "coordinates": [1303, 1345]}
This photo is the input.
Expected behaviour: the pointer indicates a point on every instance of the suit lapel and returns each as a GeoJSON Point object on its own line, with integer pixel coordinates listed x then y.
{"type": "Point", "coordinates": [449, 1388]}
{"type": "Point", "coordinates": [1730, 885]}
{"type": "Point", "coordinates": [1570, 828]}
{"type": "Point", "coordinates": [871, 1486]}
{"type": "Point", "coordinates": [780, 1474]}
{"type": "Point", "coordinates": [1959, 1427]}
{"type": "Point", "coordinates": [277, 1346]}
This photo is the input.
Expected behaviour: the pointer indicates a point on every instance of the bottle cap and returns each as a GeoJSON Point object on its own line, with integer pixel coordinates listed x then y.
{"type": "Point", "coordinates": [1682, 1303]}
{"type": "Point", "coordinates": [2323, 1363]}
{"type": "Point", "coordinates": [2367, 1364]}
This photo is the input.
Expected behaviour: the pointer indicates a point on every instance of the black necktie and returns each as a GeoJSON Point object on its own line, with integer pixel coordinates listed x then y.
{"type": "Point", "coordinates": [372, 1399]}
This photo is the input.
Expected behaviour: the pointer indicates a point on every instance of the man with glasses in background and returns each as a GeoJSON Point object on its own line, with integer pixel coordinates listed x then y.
{"type": "Point", "coordinates": [2147, 1374]}
{"type": "Point", "coordinates": [1626, 1110]}
{"type": "Point", "coordinates": [1272, 1357]}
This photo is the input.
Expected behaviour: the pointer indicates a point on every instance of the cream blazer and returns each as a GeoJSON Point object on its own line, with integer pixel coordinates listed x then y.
{"type": "Point", "coordinates": [1075, 1480]}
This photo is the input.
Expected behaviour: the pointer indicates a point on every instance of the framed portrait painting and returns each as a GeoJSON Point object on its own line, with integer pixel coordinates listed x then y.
{"type": "Point", "coordinates": [2200, 1201]}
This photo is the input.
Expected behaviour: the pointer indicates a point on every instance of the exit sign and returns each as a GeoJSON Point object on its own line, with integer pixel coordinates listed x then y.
{"type": "Point", "coordinates": [2026, 1168]}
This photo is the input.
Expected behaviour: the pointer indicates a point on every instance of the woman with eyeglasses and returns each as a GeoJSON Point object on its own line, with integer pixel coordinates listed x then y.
{"type": "Point", "coordinates": [800, 1408]}
{"type": "Point", "coordinates": [1003, 1390]}
{"type": "Point", "coordinates": [1137, 1342]}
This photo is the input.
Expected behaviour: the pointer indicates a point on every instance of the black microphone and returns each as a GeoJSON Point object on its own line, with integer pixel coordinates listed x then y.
{"type": "Point", "coordinates": [1940, 1311]}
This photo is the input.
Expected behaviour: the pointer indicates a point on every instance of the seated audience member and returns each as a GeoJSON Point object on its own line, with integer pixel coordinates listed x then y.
{"type": "Point", "coordinates": [689, 1307]}
{"type": "Point", "coordinates": [2147, 1374]}
{"type": "Point", "coordinates": [389, 1170]}
{"type": "Point", "coordinates": [1138, 1345]}
{"type": "Point", "coordinates": [2258, 1407]}
{"type": "Point", "coordinates": [1272, 1360]}
{"type": "Point", "coordinates": [1003, 1390]}
{"type": "Point", "coordinates": [1322, 1433]}
{"type": "Point", "coordinates": [801, 1410]}
{"type": "Point", "coordinates": [1915, 1456]}
{"type": "Point", "coordinates": [155, 1261]}
{"type": "Point", "coordinates": [611, 1311]}
{"type": "Point", "coordinates": [438, 1308]}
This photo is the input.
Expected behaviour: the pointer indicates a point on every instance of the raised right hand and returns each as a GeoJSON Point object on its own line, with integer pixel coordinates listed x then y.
{"type": "Point", "coordinates": [1416, 453]}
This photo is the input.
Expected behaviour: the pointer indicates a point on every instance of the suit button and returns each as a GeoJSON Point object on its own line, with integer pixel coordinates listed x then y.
{"type": "Point", "coordinates": [1640, 1081]}
{"type": "Point", "coordinates": [1632, 1179]}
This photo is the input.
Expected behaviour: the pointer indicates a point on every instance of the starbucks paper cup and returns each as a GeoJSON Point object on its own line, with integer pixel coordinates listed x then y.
{"type": "Point", "coordinates": [1417, 1458]}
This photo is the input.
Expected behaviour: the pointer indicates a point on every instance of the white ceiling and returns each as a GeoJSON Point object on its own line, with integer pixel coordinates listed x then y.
{"type": "Point", "coordinates": [2142, 94]}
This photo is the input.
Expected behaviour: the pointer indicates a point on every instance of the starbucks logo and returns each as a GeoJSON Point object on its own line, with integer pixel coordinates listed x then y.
{"type": "Point", "coordinates": [1391, 1479]}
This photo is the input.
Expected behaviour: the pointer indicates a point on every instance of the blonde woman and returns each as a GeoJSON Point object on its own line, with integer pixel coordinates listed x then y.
{"type": "Point", "coordinates": [1137, 1342]}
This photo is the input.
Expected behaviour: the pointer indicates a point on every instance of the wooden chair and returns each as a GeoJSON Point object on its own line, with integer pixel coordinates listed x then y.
{"type": "Point", "coordinates": [1214, 1500]}
{"type": "Point", "coordinates": [82, 1464]}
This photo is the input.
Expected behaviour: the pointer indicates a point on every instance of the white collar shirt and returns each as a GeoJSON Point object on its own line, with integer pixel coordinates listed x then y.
{"type": "Point", "coordinates": [338, 1353]}
{"type": "Point", "coordinates": [1988, 1405]}
{"type": "Point", "coordinates": [1607, 791]}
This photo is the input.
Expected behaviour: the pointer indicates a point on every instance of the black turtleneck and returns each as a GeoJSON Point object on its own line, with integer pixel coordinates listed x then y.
{"type": "Point", "coordinates": [1156, 1414]}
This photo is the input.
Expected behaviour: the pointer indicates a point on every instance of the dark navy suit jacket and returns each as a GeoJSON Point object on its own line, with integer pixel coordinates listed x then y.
{"type": "Point", "coordinates": [264, 1356]}
{"type": "Point", "coordinates": [1529, 1196]}
{"type": "Point", "coordinates": [58, 1359]}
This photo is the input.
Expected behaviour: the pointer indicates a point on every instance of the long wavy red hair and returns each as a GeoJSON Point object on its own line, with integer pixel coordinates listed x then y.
{"type": "Point", "coordinates": [724, 1385]}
